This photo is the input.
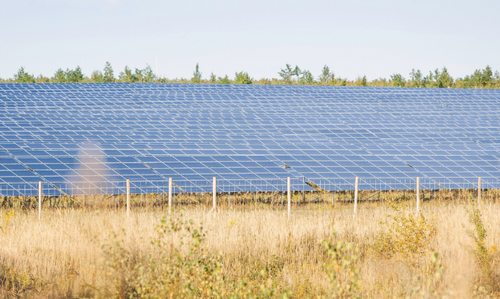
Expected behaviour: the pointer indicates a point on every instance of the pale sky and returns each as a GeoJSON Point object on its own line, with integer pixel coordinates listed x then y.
{"type": "Point", "coordinates": [354, 38]}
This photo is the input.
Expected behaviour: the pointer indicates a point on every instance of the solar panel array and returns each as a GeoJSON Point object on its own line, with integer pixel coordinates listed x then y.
{"type": "Point", "coordinates": [63, 133]}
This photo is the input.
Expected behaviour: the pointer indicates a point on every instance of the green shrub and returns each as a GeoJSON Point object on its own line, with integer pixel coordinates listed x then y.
{"type": "Point", "coordinates": [242, 78]}
{"type": "Point", "coordinates": [178, 266]}
{"type": "Point", "coordinates": [223, 80]}
{"type": "Point", "coordinates": [404, 236]}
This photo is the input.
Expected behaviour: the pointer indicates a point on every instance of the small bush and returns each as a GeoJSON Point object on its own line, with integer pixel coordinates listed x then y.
{"type": "Point", "coordinates": [242, 78]}
{"type": "Point", "coordinates": [223, 80]}
{"type": "Point", "coordinates": [405, 237]}
{"type": "Point", "coordinates": [179, 266]}
{"type": "Point", "coordinates": [176, 266]}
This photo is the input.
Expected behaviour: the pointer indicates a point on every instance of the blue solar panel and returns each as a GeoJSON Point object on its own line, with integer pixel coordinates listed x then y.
{"type": "Point", "coordinates": [58, 132]}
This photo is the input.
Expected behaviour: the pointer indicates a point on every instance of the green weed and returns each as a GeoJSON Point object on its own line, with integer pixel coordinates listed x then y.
{"type": "Point", "coordinates": [484, 258]}
{"type": "Point", "coordinates": [6, 220]}
{"type": "Point", "coordinates": [179, 266]}
{"type": "Point", "coordinates": [14, 284]}
{"type": "Point", "coordinates": [342, 270]}
{"type": "Point", "coordinates": [405, 237]}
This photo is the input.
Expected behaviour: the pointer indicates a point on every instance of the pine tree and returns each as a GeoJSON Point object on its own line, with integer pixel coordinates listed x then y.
{"type": "Point", "coordinates": [148, 74]}
{"type": "Point", "coordinates": [139, 75]}
{"type": "Point", "coordinates": [416, 78]}
{"type": "Point", "coordinates": [398, 80]}
{"type": "Point", "coordinates": [213, 78]}
{"type": "Point", "coordinates": [74, 76]}
{"type": "Point", "coordinates": [307, 77]}
{"type": "Point", "coordinates": [287, 73]}
{"type": "Point", "coordinates": [297, 72]}
{"type": "Point", "coordinates": [59, 76]}
{"type": "Point", "coordinates": [487, 76]}
{"type": "Point", "coordinates": [127, 76]}
{"type": "Point", "coordinates": [23, 77]}
{"type": "Point", "coordinates": [196, 75]}
{"type": "Point", "coordinates": [444, 78]}
{"type": "Point", "coordinates": [326, 76]}
{"type": "Point", "coordinates": [108, 73]}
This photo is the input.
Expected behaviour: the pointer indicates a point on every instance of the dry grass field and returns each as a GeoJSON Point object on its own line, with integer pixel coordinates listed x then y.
{"type": "Point", "coordinates": [254, 251]}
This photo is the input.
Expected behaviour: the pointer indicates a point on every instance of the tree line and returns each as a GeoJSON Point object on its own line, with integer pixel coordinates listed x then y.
{"type": "Point", "coordinates": [289, 75]}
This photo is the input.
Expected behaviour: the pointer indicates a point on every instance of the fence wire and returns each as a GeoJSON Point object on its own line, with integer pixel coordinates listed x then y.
{"type": "Point", "coordinates": [304, 191]}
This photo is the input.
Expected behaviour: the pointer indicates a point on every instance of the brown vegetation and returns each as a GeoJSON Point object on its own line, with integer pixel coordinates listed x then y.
{"type": "Point", "coordinates": [254, 251]}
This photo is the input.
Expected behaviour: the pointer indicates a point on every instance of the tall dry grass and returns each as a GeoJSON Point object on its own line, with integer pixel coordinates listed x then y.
{"type": "Point", "coordinates": [321, 251]}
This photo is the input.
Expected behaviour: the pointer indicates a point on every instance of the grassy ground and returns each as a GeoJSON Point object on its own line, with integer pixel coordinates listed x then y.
{"type": "Point", "coordinates": [254, 251]}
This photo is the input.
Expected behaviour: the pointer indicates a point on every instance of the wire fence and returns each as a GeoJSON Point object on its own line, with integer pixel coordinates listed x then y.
{"type": "Point", "coordinates": [272, 192]}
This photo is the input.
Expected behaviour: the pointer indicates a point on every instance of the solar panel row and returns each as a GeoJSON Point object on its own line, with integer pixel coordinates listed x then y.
{"type": "Point", "coordinates": [149, 132]}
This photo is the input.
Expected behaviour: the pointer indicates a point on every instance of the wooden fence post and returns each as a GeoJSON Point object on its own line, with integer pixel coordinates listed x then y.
{"type": "Point", "coordinates": [417, 190]}
{"type": "Point", "coordinates": [128, 198]}
{"type": "Point", "coordinates": [214, 191]}
{"type": "Point", "coordinates": [356, 185]}
{"type": "Point", "coordinates": [289, 195]}
{"type": "Point", "coordinates": [479, 192]}
{"type": "Point", "coordinates": [40, 200]}
{"type": "Point", "coordinates": [169, 195]}
{"type": "Point", "coordinates": [304, 190]}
